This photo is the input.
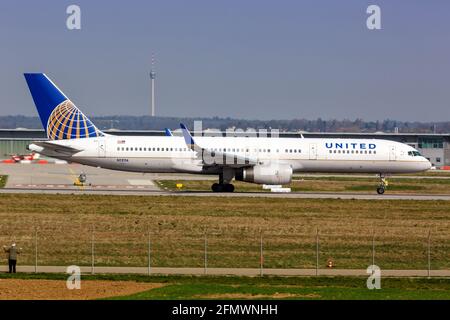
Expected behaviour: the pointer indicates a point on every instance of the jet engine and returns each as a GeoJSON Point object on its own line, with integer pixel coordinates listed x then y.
{"type": "Point", "coordinates": [266, 174]}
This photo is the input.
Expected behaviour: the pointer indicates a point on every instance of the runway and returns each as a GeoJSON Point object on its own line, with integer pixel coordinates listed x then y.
{"type": "Point", "coordinates": [59, 178]}
{"type": "Point", "coordinates": [292, 195]}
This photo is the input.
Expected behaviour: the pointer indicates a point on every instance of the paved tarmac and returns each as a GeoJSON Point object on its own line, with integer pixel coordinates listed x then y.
{"type": "Point", "coordinates": [292, 195]}
{"type": "Point", "coordinates": [59, 178]}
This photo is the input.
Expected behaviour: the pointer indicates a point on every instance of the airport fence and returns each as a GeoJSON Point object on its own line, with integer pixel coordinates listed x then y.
{"type": "Point", "coordinates": [134, 245]}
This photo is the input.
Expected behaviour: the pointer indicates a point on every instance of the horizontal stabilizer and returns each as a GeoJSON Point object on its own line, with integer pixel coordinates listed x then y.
{"type": "Point", "coordinates": [39, 146]}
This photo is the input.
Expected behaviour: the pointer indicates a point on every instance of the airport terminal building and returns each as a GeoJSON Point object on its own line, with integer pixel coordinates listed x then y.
{"type": "Point", "coordinates": [435, 147]}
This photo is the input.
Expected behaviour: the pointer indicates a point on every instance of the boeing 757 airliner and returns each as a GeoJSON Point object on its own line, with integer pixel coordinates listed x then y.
{"type": "Point", "coordinates": [73, 137]}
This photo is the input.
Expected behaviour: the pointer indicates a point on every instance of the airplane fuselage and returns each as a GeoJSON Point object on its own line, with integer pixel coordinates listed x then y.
{"type": "Point", "coordinates": [73, 137]}
{"type": "Point", "coordinates": [171, 154]}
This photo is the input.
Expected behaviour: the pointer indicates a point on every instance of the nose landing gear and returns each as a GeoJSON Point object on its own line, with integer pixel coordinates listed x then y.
{"type": "Point", "coordinates": [383, 184]}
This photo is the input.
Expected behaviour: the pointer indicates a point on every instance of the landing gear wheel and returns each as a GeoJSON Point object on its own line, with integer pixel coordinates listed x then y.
{"type": "Point", "coordinates": [218, 187]}
{"type": "Point", "coordinates": [228, 187]}
{"type": "Point", "coordinates": [383, 184]}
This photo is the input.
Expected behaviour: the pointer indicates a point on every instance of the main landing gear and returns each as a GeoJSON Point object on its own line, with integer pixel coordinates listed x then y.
{"type": "Point", "coordinates": [222, 187]}
{"type": "Point", "coordinates": [383, 184]}
{"type": "Point", "coordinates": [224, 184]}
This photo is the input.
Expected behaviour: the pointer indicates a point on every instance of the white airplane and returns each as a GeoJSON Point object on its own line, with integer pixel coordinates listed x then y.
{"type": "Point", "coordinates": [73, 137]}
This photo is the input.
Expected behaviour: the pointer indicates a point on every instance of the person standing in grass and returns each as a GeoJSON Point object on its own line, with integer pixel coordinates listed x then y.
{"type": "Point", "coordinates": [12, 251]}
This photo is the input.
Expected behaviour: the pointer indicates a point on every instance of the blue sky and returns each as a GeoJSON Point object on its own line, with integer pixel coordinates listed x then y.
{"type": "Point", "coordinates": [244, 59]}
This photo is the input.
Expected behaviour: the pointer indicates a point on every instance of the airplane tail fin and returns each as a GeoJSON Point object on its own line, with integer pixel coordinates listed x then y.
{"type": "Point", "coordinates": [60, 118]}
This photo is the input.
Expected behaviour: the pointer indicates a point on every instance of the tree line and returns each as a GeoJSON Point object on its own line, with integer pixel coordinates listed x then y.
{"type": "Point", "coordinates": [317, 125]}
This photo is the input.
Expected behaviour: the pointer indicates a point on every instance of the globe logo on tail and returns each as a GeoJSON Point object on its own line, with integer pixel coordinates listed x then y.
{"type": "Point", "coordinates": [68, 122]}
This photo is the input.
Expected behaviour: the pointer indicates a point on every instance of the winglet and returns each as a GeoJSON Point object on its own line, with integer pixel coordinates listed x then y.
{"type": "Point", "coordinates": [168, 132]}
{"type": "Point", "coordinates": [187, 137]}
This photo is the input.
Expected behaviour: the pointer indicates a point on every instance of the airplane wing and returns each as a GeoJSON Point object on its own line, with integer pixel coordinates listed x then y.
{"type": "Point", "coordinates": [45, 146]}
{"type": "Point", "coordinates": [216, 157]}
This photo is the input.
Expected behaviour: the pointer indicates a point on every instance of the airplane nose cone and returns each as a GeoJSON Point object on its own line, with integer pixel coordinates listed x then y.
{"type": "Point", "coordinates": [427, 164]}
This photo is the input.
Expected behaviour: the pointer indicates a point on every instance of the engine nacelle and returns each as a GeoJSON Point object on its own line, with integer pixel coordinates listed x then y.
{"type": "Point", "coordinates": [266, 174]}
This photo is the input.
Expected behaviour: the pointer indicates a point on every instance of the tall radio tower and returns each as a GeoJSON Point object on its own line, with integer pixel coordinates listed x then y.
{"type": "Point", "coordinates": [152, 80]}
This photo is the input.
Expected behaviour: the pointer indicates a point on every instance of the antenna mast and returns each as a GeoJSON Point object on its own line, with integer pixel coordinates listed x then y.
{"type": "Point", "coordinates": [152, 80]}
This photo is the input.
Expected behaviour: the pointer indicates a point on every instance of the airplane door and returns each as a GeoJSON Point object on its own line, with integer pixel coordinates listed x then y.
{"type": "Point", "coordinates": [101, 148]}
{"type": "Point", "coordinates": [312, 151]}
{"type": "Point", "coordinates": [392, 153]}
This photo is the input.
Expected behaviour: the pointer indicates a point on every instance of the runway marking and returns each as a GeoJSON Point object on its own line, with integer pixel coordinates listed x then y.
{"type": "Point", "coordinates": [63, 187]}
{"type": "Point", "coordinates": [140, 182]}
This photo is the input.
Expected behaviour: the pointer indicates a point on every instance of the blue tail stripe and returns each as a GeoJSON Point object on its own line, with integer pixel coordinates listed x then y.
{"type": "Point", "coordinates": [75, 126]}
{"type": "Point", "coordinates": [91, 129]}
{"type": "Point", "coordinates": [66, 129]}
{"type": "Point", "coordinates": [45, 94]}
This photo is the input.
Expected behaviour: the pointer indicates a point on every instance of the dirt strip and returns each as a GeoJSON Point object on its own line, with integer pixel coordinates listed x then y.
{"type": "Point", "coordinates": [19, 289]}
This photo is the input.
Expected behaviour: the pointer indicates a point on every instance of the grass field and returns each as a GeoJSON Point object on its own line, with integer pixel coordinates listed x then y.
{"type": "Point", "coordinates": [64, 225]}
{"type": "Point", "coordinates": [305, 288]}
{"type": "Point", "coordinates": [3, 180]}
{"type": "Point", "coordinates": [433, 173]}
{"type": "Point", "coordinates": [397, 185]}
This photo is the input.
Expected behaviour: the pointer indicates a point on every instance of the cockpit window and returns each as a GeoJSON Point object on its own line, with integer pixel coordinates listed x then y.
{"type": "Point", "coordinates": [414, 154]}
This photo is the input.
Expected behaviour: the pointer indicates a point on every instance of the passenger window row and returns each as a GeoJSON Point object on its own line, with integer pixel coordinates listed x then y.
{"type": "Point", "coordinates": [214, 149]}
{"type": "Point", "coordinates": [151, 149]}
{"type": "Point", "coordinates": [293, 151]}
{"type": "Point", "coordinates": [240, 150]}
